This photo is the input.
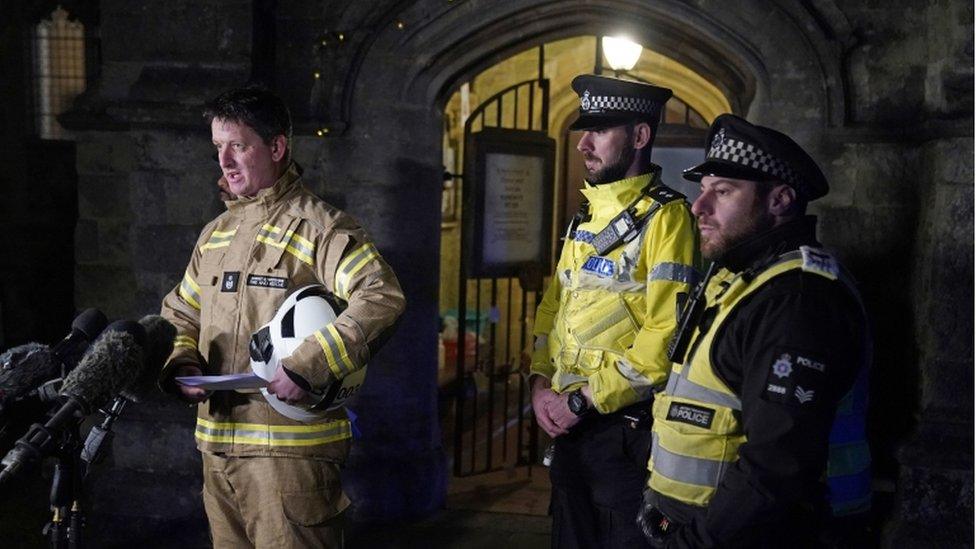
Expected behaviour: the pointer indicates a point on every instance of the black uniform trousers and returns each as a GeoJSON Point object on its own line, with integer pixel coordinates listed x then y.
{"type": "Point", "coordinates": [598, 473]}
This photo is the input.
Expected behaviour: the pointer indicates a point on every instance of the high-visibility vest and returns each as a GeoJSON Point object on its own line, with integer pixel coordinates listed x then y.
{"type": "Point", "coordinates": [697, 432]}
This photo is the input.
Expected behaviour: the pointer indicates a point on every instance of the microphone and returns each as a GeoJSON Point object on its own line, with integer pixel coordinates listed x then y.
{"type": "Point", "coordinates": [159, 344]}
{"type": "Point", "coordinates": [84, 329]}
{"type": "Point", "coordinates": [24, 368]}
{"type": "Point", "coordinates": [114, 360]}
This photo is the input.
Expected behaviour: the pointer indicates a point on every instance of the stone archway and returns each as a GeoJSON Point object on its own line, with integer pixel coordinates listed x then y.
{"type": "Point", "coordinates": [401, 75]}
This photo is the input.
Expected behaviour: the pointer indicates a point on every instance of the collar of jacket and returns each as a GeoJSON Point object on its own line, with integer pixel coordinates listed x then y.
{"type": "Point", "coordinates": [266, 197]}
{"type": "Point", "coordinates": [759, 250]}
{"type": "Point", "coordinates": [608, 199]}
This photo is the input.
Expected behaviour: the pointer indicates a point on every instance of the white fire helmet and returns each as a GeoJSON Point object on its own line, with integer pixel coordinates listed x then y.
{"type": "Point", "coordinates": [305, 311]}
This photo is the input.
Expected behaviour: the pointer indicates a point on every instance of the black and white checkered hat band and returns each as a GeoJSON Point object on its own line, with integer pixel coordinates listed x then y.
{"type": "Point", "coordinates": [601, 103]}
{"type": "Point", "coordinates": [751, 156]}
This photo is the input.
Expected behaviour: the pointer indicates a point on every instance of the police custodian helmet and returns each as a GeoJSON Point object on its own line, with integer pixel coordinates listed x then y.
{"type": "Point", "coordinates": [607, 102]}
{"type": "Point", "coordinates": [741, 150]}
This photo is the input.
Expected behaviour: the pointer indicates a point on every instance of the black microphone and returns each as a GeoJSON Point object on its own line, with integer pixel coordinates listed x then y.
{"type": "Point", "coordinates": [84, 329]}
{"type": "Point", "coordinates": [110, 366]}
{"type": "Point", "coordinates": [159, 345]}
{"type": "Point", "coordinates": [24, 368]}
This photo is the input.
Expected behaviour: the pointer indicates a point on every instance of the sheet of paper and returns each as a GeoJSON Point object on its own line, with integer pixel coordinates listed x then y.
{"type": "Point", "coordinates": [224, 383]}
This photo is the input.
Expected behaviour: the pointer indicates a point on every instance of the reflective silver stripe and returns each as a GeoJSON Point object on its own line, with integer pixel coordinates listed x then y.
{"type": "Point", "coordinates": [190, 291]}
{"type": "Point", "coordinates": [680, 386]}
{"type": "Point", "coordinates": [589, 281]}
{"type": "Point", "coordinates": [541, 340]}
{"type": "Point", "coordinates": [619, 314]}
{"type": "Point", "coordinates": [675, 272]}
{"type": "Point", "coordinates": [350, 263]}
{"type": "Point", "coordinates": [270, 435]}
{"type": "Point", "coordinates": [689, 470]}
{"type": "Point", "coordinates": [638, 381]}
{"type": "Point", "coordinates": [334, 350]}
{"type": "Point", "coordinates": [266, 233]}
{"type": "Point", "coordinates": [294, 243]}
{"type": "Point", "coordinates": [564, 379]}
{"type": "Point", "coordinates": [219, 240]}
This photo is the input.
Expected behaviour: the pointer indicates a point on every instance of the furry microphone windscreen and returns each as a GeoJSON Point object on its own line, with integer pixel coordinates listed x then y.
{"type": "Point", "coordinates": [159, 344]}
{"type": "Point", "coordinates": [24, 368]}
{"type": "Point", "coordinates": [111, 364]}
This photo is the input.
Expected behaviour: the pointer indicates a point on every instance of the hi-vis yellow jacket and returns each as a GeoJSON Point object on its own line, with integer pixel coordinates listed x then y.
{"type": "Point", "coordinates": [697, 431]}
{"type": "Point", "coordinates": [243, 265]}
{"type": "Point", "coordinates": [606, 320]}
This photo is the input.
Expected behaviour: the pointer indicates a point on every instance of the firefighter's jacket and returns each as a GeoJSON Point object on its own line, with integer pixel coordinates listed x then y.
{"type": "Point", "coordinates": [606, 320]}
{"type": "Point", "coordinates": [243, 265]}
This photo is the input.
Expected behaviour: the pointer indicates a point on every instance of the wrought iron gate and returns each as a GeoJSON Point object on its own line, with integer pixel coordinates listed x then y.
{"type": "Point", "coordinates": [493, 425]}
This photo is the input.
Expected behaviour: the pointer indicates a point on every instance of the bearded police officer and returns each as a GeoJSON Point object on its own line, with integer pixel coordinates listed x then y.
{"type": "Point", "coordinates": [272, 481]}
{"type": "Point", "coordinates": [604, 322]}
{"type": "Point", "coordinates": [774, 340]}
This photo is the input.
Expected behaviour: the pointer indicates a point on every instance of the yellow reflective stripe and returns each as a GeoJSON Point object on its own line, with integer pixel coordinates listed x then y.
{"type": "Point", "coordinates": [185, 341]}
{"type": "Point", "coordinates": [190, 291]}
{"type": "Point", "coordinates": [219, 239]}
{"type": "Point", "coordinates": [329, 356]}
{"type": "Point", "coordinates": [302, 254]}
{"type": "Point", "coordinates": [272, 435]}
{"type": "Point", "coordinates": [335, 351]}
{"type": "Point", "coordinates": [300, 240]}
{"type": "Point", "coordinates": [352, 264]}
{"type": "Point", "coordinates": [294, 244]}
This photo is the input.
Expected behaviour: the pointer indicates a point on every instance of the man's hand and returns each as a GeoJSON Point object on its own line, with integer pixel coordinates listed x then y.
{"type": "Point", "coordinates": [190, 394]}
{"type": "Point", "coordinates": [542, 396]}
{"type": "Point", "coordinates": [561, 415]}
{"type": "Point", "coordinates": [284, 388]}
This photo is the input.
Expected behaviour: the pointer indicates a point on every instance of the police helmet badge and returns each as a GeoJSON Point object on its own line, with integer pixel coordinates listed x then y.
{"type": "Point", "coordinates": [717, 142]}
{"type": "Point", "coordinates": [585, 100]}
{"type": "Point", "coordinates": [783, 367]}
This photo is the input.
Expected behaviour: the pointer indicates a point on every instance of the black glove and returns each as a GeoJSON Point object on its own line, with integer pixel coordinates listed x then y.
{"type": "Point", "coordinates": [657, 527]}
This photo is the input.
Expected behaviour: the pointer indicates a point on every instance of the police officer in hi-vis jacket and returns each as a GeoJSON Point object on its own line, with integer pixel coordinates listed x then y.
{"type": "Point", "coordinates": [605, 320]}
{"type": "Point", "coordinates": [774, 342]}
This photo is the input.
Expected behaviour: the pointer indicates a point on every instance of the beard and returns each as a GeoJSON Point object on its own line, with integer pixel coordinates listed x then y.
{"type": "Point", "coordinates": [615, 170]}
{"type": "Point", "coordinates": [714, 246]}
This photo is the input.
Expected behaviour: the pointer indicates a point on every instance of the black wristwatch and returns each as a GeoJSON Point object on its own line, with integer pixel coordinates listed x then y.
{"type": "Point", "coordinates": [577, 402]}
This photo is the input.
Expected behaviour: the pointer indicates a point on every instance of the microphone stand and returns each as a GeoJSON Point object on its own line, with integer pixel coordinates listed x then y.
{"type": "Point", "coordinates": [68, 520]}
{"type": "Point", "coordinates": [65, 529]}
{"type": "Point", "coordinates": [70, 471]}
{"type": "Point", "coordinates": [100, 437]}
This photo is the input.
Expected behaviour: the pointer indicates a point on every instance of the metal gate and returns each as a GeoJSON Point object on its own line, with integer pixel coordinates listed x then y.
{"type": "Point", "coordinates": [493, 425]}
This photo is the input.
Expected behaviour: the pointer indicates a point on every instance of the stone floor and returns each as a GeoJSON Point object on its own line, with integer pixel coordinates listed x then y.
{"type": "Point", "coordinates": [501, 509]}
{"type": "Point", "coordinates": [459, 528]}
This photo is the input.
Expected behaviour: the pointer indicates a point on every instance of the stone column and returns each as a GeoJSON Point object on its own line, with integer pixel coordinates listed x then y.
{"type": "Point", "coordinates": [934, 501]}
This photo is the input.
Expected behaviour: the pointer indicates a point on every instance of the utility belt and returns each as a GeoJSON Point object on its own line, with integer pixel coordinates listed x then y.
{"type": "Point", "coordinates": [635, 416]}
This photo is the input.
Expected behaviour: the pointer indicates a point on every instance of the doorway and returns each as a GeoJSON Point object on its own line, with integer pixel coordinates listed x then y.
{"type": "Point", "coordinates": [493, 445]}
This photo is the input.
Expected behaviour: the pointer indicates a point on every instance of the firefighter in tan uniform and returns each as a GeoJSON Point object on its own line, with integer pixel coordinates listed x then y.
{"type": "Point", "coordinates": [604, 322]}
{"type": "Point", "coordinates": [270, 480]}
